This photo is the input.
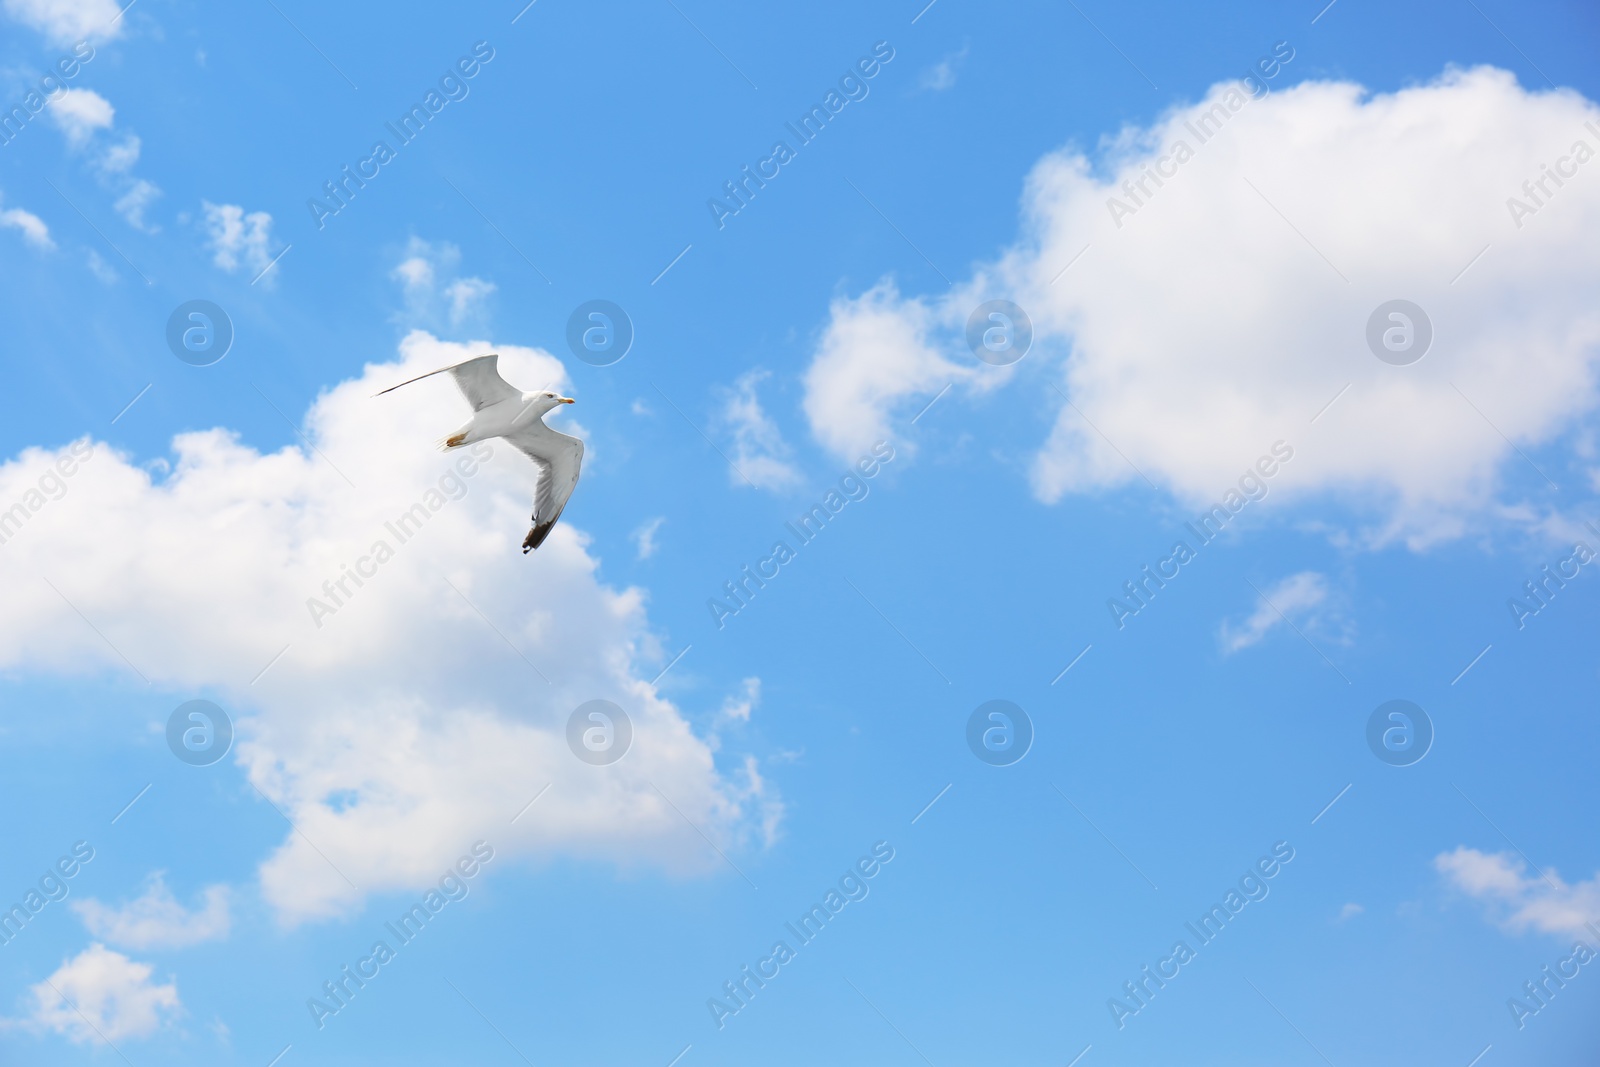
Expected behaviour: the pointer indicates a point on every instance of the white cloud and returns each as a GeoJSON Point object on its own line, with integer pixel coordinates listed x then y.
{"type": "Point", "coordinates": [1520, 901]}
{"type": "Point", "coordinates": [100, 268]}
{"type": "Point", "coordinates": [67, 21]}
{"type": "Point", "coordinates": [403, 727]}
{"type": "Point", "coordinates": [759, 451]}
{"type": "Point", "coordinates": [737, 707]}
{"type": "Point", "coordinates": [763, 802]}
{"type": "Point", "coordinates": [466, 297]}
{"type": "Point", "coordinates": [942, 75]}
{"type": "Point", "coordinates": [114, 998]}
{"type": "Point", "coordinates": [430, 298]}
{"type": "Point", "coordinates": [120, 158]}
{"type": "Point", "coordinates": [31, 226]}
{"type": "Point", "coordinates": [1350, 911]}
{"type": "Point", "coordinates": [238, 239]}
{"type": "Point", "coordinates": [79, 113]}
{"type": "Point", "coordinates": [1204, 327]}
{"type": "Point", "coordinates": [876, 353]}
{"type": "Point", "coordinates": [766, 806]}
{"type": "Point", "coordinates": [415, 272]}
{"type": "Point", "coordinates": [157, 919]}
{"type": "Point", "coordinates": [644, 538]}
{"type": "Point", "coordinates": [132, 204]}
{"type": "Point", "coordinates": [1296, 595]}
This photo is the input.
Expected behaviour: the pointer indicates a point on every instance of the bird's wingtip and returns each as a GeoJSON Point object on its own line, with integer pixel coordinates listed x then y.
{"type": "Point", "coordinates": [536, 536]}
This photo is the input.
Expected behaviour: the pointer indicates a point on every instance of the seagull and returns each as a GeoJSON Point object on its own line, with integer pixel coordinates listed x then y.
{"type": "Point", "coordinates": [500, 410]}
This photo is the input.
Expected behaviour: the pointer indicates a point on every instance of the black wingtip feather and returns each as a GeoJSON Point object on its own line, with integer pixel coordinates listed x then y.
{"type": "Point", "coordinates": [536, 537]}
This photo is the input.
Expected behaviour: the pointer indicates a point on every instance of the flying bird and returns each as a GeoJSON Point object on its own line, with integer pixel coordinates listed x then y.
{"type": "Point", "coordinates": [500, 410]}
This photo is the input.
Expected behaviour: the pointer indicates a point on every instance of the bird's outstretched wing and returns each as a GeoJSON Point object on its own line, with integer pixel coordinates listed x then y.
{"type": "Point", "coordinates": [558, 458]}
{"type": "Point", "coordinates": [479, 380]}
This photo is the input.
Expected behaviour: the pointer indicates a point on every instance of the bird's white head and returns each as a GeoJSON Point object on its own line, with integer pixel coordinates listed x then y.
{"type": "Point", "coordinates": [545, 401]}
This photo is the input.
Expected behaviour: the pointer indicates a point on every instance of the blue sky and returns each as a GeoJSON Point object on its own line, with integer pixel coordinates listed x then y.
{"type": "Point", "coordinates": [1189, 336]}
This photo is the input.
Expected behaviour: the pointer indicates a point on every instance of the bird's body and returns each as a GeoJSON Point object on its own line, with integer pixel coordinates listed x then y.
{"type": "Point", "coordinates": [500, 410]}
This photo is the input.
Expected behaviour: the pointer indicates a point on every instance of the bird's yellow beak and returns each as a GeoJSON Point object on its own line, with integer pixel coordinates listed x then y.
{"type": "Point", "coordinates": [568, 400]}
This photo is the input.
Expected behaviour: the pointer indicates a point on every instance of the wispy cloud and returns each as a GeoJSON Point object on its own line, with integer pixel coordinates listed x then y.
{"type": "Point", "coordinates": [759, 451]}
{"type": "Point", "coordinates": [755, 791]}
{"type": "Point", "coordinates": [81, 115]}
{"type": "Point", "coordinates": [942, 75]}
{"type": "Point", "coordinates": [735, 711]}
{"type": "Point", "coordinates": [120, 158]}
{"type": "Point", "coordinates": [99, 267]}
{"type": "Point", "coordinates": [157, 919]}
{"type": "Point", "coordinates": [237, 239]}
{"type": "Point", "coordinates": [644, 538]}
{"type": "Point", "coordinates": [434, 292]}
{"type": "Point", "coordinates": [1298, 594]}
{"type": "Point", "coordinates": [133, 203]}
{"type": "Point", "coordinates": [465, 296]}
{"type": "Point", "coordinates": [738, 706]}
{"type": "Point", "coordinates": [1519, 901]}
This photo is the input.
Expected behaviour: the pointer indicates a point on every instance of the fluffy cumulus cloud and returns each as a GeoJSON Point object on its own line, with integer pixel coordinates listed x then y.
{"type": "Point", "coordinates": [237, 239]}
{"type": "Point", "coordinates": [66, 21]}
{"type": "Point", "coordinates": [401, 675]}
{"type": "Point", "coordinates": [1294, 597]}
{"type": "Point", "coordinates": [100, 995]}
{"type": "Point", "coordinates": [759, 451]}
{"type": "Point", "coordinates": [877, 352]}
{"type": "Point", "coordinates": [157, 919]}
{"type": "Point", "coordinates": [79, 113]}
{"type": "Point", "coordinates": [1204, 288]}
{"type": "Point", "coordinates": [1519, 900]}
